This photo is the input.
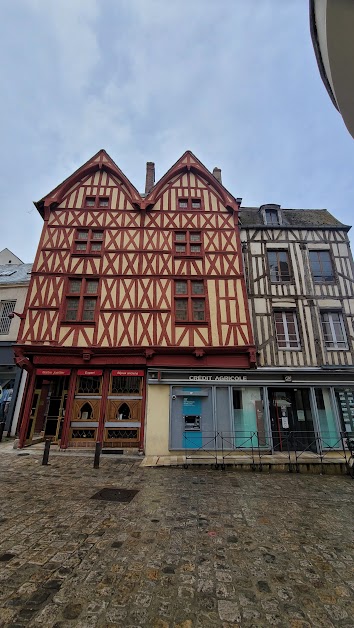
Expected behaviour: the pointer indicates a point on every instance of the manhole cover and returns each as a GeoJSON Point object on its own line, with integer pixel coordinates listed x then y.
{"type": "Point", "coordinates": [115, 495]}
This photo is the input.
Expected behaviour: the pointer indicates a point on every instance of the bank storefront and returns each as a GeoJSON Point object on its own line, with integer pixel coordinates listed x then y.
{"type": "Point", "coordinates": [266, 408]}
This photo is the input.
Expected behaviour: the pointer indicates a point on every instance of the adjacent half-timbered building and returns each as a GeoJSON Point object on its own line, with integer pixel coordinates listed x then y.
{"type": "Point", "coordinates": [130, 292]}
{"type": "Point", "coordinates": [300, 284]}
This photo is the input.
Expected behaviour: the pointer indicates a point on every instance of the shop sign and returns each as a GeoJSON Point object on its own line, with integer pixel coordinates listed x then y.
{"type": "Point", "coordinates": [128, 373]}
{"type": "Point", "coordinates": [53, 371]}
{"type": "Point", "coordinates": [218, 378]}
{"type": "Point", "coordinates": [89, 372]}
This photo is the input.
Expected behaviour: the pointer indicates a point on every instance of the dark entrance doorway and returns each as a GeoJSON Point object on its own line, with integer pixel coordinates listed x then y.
{"type": "Point", "coordinates": [48, 408]}
{"type": "Point", "coordinates": [291, 419]}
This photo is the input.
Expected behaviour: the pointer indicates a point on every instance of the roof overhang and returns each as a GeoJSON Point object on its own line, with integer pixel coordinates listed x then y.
{"type": "Point", "coordinates": [332, 28]}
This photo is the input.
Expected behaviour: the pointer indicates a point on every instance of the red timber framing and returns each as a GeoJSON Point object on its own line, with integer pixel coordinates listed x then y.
{"type": "Point", "coordinates": [132, 260]}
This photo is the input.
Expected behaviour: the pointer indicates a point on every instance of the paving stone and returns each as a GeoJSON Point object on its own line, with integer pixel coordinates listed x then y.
{"type": "Point", "coordinates": [196, 548]}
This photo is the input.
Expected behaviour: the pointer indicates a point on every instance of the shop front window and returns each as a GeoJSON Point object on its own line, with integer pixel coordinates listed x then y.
{"type": "Point", "coordinates": [328, 428]}
{"type": "Point", "coordinates": [248, 414]}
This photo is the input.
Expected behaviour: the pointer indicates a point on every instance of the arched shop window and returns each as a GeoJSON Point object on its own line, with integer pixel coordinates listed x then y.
{"type": "Point", "coordinates": [123, 413]}
{"type": "Point", "coordinates": [86, 412]}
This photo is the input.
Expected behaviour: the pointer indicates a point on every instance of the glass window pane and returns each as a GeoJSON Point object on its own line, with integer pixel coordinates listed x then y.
{"type": "Point", "coordinates": [72, 306]}
{"type": "Point", "coordinates": [97, 235]}
{"type": "Point", "coordinates": [183, 203]}
{"type": "Point", "coordinates": [197, 287]}
{"type": "Point", "coordinates": [74, 286]}
{"type": "Point", "coordinates": [80, 246]}
{"type": "Point", "coordinates": [195, 237]}
{"type": "Point", "coordinates": [90, 201]}
{"type": "Point", "coordinates": [103, 202]}
{"type": "Point", "coordinates": [196, 204]}
{"type": "Point", "coordinates": [195, 248]}
{"type": "Point", "coordinates": [180, 248]}
{"type": "Point", "coordinates": [181, 236]}
{"type": "Point", "coordinates": [181, 287]}
{"type": "Point", "coordinates": [198, 309]}
{"type": "Point", "coordinates": [181, 309]}
{"type": "Point", "coordinates": [82, 235]}
{"type": "Point", "coordinates": [271, 217]}
{"type": "Point", "coordinates": [96, 246]}
{"type": "Point", "coordinates": [92, 286]}
{"type": "Point", "coordinates": [88, 313]}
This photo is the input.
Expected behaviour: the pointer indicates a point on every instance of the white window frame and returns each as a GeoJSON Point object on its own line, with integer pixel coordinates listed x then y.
{"type": "Point", "coordinates": [334, 343]}
{"type": "Point", "coordinates": [287, 346]}
{"type": "Point", "coordinates": [6, 308]}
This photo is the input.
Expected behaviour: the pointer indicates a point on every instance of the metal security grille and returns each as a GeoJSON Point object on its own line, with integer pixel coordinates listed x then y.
{"type": "Point", "coordinates": [6, 308]}
{"type": "Point", "coordinates": [83, 434]}
{"type": "Point", "coordinates": [121, 434]}
{"type": "Point", "coordinates": [126, 385]}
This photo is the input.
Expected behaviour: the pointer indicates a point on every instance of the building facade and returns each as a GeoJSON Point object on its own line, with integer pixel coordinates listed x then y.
{"type": "Point", "coordinates": [332, 25]}
{"type": "Point", "coordinates": [126, 290]}
{"type": "Point", "coordinates": [300, 283]}
{"type": "Point", "coordinates": [14, 282]}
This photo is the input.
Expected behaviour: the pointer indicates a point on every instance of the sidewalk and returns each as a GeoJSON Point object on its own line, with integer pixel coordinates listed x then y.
{"type": "Point", "coordinates": [195, 548]}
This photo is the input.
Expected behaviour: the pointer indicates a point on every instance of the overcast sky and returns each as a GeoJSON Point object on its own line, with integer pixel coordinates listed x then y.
{"type": "Point", "coordinates": [235, 81]}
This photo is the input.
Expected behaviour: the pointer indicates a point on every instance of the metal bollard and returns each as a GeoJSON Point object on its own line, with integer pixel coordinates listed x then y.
{"type": "Point", "coordinates": [2, 426]}
{"type": "Point", "coordinates": [96, 462]}
{"type": "Point", "coordinates": [46, 451]}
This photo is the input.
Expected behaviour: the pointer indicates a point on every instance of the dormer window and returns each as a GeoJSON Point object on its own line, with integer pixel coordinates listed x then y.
{"type": "Point", "coordinates": [271, 216]}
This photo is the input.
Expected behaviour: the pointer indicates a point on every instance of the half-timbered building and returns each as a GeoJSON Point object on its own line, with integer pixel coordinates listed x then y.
{"type": "Point", "coordinates": [300, 284]}
{"type": "Point", "coordinates": [137, 313]}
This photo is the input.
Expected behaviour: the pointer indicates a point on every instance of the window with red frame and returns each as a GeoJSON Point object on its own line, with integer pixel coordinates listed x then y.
{"type": "Point", "coordinates": [189, 301]}
{"type": "Point", "coordinates": [189, 204]}
{"type": "Point", "coordinates": [88, 241]}
{"type": "Point", "coordinates": [97, 201]}
{"type": "Point", "coordinates": [81, 300]}
{"type": "Point", "coordinates": [188, 242]}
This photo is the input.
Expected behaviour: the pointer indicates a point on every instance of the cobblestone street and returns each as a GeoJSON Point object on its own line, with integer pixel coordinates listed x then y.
{"type": "Point", "coordinates": [195, 547]}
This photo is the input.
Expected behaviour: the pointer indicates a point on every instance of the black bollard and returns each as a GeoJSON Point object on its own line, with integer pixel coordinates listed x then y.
{"type": "Point", "coordinates": [2, 426]}
{"type": "Point", "coordinates": [46, 451]}
{"type": "Point", "coordinates": [96, 462]}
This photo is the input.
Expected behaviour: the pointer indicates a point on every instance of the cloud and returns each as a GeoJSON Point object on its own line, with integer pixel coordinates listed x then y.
{"type": "Point", "coordinates": [234, 81]}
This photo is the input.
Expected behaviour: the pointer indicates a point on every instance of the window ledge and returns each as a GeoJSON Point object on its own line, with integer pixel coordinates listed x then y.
{"type": "Point", "coordinates": [289, 349]}
{"type": "Point", "coordinates": [90, 323]}
{"type": "Point", "coordinates": [88, 254]}
{"type": "Point", "coordinates": [337, 348]}
{"type": "Point", "coordinates": [194, 323]}
{"type": "Point", "coordinates": [190, 256]}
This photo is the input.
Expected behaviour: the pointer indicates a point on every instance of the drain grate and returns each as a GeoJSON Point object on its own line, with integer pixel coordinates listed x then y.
{"type": "Point", "coordinates": [123, 495]}
{"type": "Point", "coordinates": [6, 557]}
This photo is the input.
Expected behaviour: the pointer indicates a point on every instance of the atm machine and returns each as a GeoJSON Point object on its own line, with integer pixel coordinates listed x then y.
{"type": "Point", "coordinates": [191, 417]}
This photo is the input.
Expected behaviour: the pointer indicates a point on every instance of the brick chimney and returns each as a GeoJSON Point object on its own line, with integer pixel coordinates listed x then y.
{"type": "Point", "coordinates": [150, 176]}
{"type": "Point", "coordinates": [217, 174]}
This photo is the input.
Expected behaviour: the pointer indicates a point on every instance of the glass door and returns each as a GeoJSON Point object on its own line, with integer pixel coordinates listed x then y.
{"type": "Point", "coordinates": [291, 419]}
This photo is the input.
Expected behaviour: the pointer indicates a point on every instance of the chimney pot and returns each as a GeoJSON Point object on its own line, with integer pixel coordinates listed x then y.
{"type": "Point", "coordinates": [150, 176]}
{"type": "Point", "coordinates": [217, 174]}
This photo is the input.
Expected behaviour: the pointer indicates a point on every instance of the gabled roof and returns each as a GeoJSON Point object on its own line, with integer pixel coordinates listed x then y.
{"type": "Point", "coordinates": [190, 162]}
{"type": "Point", "coordinates": [99, 161]}
{"type": "Point", "coordinates": [5, 254]}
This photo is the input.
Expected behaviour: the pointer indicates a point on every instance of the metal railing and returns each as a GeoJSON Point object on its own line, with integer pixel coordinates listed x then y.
{"type": "Point", "coordinates": [259, 449]}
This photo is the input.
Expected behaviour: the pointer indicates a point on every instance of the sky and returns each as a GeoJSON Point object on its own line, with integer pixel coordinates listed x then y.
{"type": "Point", "coordinates": [235, 81]}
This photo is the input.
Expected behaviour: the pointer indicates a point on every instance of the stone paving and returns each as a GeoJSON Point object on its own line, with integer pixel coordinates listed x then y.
{"type": "Point", "coordinates": [196, 547]}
